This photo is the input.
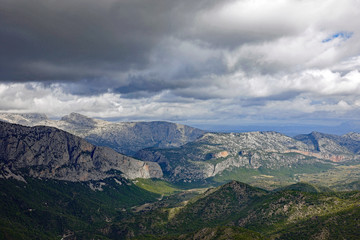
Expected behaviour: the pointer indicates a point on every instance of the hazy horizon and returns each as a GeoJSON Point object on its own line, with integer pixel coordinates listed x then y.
{"type": "Point", "coordinates": [289, 129]}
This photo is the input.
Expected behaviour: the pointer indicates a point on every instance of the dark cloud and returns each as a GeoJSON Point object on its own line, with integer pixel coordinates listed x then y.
{"type": "Point", "coordinates": [262, 101]}
{"type": "Point", "coordinates": [148, 83]}
{"type": "Point", "coordinates": [146, 59]}
{"type": "Point", "coordinates": [54, 40]}
{"type": "Point", "coordinates": [99, 46]}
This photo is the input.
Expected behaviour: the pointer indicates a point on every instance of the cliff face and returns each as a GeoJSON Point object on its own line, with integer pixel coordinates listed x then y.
{"type": "Point", "coordinates": [123, 137]}
{"type": "Point", "coordinates": [214, 153]}
{"type": "Point", "coordinates": [48, 152]}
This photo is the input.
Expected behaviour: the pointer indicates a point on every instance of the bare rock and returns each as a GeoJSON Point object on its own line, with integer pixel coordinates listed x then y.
{"type": "Point", "coordinates": [47, 152]}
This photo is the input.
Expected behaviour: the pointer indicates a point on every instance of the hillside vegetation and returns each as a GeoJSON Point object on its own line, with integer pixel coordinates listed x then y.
{"type": "Point", "coordinates": [300, 211]}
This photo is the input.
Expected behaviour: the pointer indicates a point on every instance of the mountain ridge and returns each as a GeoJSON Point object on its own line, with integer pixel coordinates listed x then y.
{"type": "Point", "coordinates": [123, 137]}
{"type": "Point", "coordinates": [213, 158]}
{"type": "Point", "coordinates": [214, 153]}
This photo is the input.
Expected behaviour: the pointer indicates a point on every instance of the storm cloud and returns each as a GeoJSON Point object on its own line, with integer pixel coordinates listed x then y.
{"type": "Point", "coordinates": [181, 60]}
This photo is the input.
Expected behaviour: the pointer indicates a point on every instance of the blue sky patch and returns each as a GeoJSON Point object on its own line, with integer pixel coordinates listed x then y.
{"type": "Point", "coordinates": [341, 35]}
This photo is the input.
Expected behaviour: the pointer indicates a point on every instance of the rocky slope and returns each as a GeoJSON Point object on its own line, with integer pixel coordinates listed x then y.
{"type": "Point", "coordinates": [214, 153]}
{"type": "Point", "coordinates": [336, 148]}
{"type": "Point", "coordinates": [123, 137]}
{"type": "Point", "coordinates": [46, 152]}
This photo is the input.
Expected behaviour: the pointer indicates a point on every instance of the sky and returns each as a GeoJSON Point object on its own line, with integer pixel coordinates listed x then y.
{"type": "Point", "coordinates": [222, 63]}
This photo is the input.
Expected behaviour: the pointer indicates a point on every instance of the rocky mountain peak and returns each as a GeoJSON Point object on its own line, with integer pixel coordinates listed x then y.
{"type": "Point", "coordinates": [240, 188]}
{"type": "Point", "coordinates": [332, 145]}
{"type": "Point", "coordinates": [319, 135]}
{"type": "Point", "coordinates": [79, 120]}
{"type": "Point", "coordinates": [235, 185]}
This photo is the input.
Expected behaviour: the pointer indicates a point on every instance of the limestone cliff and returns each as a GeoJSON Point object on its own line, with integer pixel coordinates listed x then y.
{"type": "Point", "coordinates": [47, 152]}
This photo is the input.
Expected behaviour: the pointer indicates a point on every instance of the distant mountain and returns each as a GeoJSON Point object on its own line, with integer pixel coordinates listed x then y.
{"type": "Point", "coordinates": [343, 147]}
{"type": "Point", "coordinates": [47, 152]}
{"type": "Point", "coordinates": [219, 154]}
{"type": "Point", "coordinates": [123, 137]}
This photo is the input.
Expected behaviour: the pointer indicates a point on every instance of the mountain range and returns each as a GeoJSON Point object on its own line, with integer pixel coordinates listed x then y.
{"type": "Point", "coordinates": [123, 137]}
{"type": "Point", "coordinates": [57, 185]}
{"type": "Point", "coordinates": [221, 156]}
{"type": "Point", "coordinates": [189, 155]}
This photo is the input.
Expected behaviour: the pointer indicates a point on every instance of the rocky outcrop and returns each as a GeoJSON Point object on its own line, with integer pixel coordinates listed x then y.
{"type": "Point", "coordinates": [123, 137]}
{"type": "Point", "coordinates": [221, 154]}
{"type": "Point", "coordinates": [47, 152]}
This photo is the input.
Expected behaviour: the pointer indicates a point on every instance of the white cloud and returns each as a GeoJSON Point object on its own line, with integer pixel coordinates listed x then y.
{"type": "Point", "coordinates": [34, 97]}
{"type": "Point", "coordinates": [237, 22]}
{"type": "Point", "coordinates": [237, 59]}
